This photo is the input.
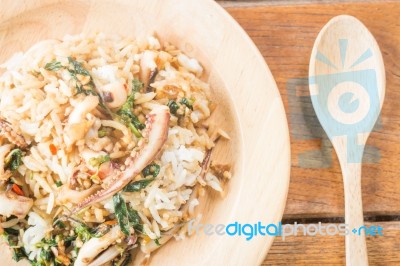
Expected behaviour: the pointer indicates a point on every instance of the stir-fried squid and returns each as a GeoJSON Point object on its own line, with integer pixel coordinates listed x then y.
{"type": "Point", "coordinates": [104, 147]}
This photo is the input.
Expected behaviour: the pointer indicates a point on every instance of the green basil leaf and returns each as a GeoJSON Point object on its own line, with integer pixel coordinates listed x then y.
{"type": "Point", "coordinates": [188, 103]}
{"type": "Point", "coordinates": [13, 159]}
{"type": "Point", "coordinates": [121, 213]}
{"type": "Point", "coordinates": [53, 66]}
{"type": "Point", "coordinates": [152, 169]}
{"type": "Point", "coordinates": [173, 106]}
{"type": "Point", "coordinates": [98, 161]}
{"type": "Point", "coordinates": [137, 85]}
{"type": "Point", "coordinates": [138, 185]}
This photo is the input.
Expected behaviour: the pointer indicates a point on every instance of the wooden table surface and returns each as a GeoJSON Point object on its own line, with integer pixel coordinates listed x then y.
{"type": "Point", "coordinates": [284, 32]}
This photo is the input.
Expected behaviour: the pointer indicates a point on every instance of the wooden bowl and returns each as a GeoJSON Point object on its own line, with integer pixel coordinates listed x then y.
{"type": "Point", "coordinates": [250, 108]}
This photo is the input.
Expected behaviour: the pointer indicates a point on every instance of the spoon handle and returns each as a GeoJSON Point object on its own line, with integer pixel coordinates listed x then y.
{"type": "Point", "coordinates": [356, 249]}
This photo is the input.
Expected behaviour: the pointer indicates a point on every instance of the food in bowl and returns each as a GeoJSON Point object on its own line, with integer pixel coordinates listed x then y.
{"type": "Point", "coordinates": [105, 145]}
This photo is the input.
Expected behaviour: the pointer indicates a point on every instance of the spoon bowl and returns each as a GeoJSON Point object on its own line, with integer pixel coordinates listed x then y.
{"type": "Point", "coordinates": [347, 88]}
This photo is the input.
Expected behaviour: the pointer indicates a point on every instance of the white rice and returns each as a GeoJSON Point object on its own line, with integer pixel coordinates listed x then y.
{"type": "Point", "coordinates": [44, 107]}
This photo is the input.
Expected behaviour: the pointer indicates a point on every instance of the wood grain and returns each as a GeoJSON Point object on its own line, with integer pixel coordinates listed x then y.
{"type": "Point", "coordinates": [285, 36]}
{"type": "Point", "coordinates": [337, 61]}
{"type": "Point", "coordinates": [329, 250]}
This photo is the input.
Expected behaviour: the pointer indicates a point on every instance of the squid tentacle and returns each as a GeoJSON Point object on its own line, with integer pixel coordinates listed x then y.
{"type": "Point", "coordinates": [154, 136]}
{"type": "Point", "coordinates": [92, 248]}
{"type": "Point", "coordinates": [8, 132]}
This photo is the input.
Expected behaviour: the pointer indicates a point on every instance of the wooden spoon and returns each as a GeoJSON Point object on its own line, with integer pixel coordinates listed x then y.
{"type": "Point", "coordinates": [347, 87]}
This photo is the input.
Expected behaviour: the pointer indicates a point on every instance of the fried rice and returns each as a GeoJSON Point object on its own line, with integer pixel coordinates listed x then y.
{"type": "Point", "coordinates": [75, 109]}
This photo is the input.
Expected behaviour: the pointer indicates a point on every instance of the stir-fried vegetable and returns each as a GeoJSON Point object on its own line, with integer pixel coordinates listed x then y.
{"type": "Point", "coordinates": [84, 84]}
{"type": "Point", "coordinates": [126, 216]}
{"type": "Point", "coordinates": [98, 161]}
{"type": "Point", "coordinates": [134, 220]}
{"type": "Point", "coordinates": [126, 115]}
{"type": "Point", "coordinates": [138, 185]}
{"type": "Point", "coordinates": [130, 120]}
{"type": "Point", "coordinates": [121, 212]}
{"type": "Point", "coordinates": [83, 232]}
{"type": "Point", "coordinates": [173, 106]}
{"type": "Point", "coordinates": [104, 131]}
{"type": "Point", "coordinates": [77, 68]}
{"type": "Point", "coordinates": [47, 243]}
{"type": "Point", "coordinates": [83, 80]}
{"type": "Point", "coordinates": [13, 159]}
{"type": "Point", "coordinates": [88, 87]}
{"type": "Point", "coordinates": [137, 85]}
{"type": "Point", "coordinates": [53, 66]}
{"type": "Point", "coordinates": [46, 256]}
{"type": "Point", "coordinates": [152, 169]}
{"type": "Point", "coordinates": [59, 224]}
{"type": "Point", "coordinates": [188, 102]}
{"type": "Point", "coordinates": [10, 236]}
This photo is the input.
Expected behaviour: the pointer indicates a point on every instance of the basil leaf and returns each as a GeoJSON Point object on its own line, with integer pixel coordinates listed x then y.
{"type": "Point", "coordinates": [138, 185]}
{"type": "Point", "coordinates": [59, 224]}
{"type": "Point", "coordinates": [133, 216]}
{"type": "Point", "coordinates": [11, 238]}
{"type": "Point", "coordinates": [78, 69]}
{"type": "Point", "coordinates": [134, 220]}
{"type": "Point", "coordinates": [137, 85]}
{"type": "Point", "coordinates": [98, 161]}
{"type": "Point", "coordinates": [104, 131]}
{"type": "Point", "coordinates": [129, 103]}
{"type": "Point", "coordinates": [53, 66]}
{"type": "Point", "coordinates": [126, 216]}
{"type": "Point", "coordinates": [13, 159]}
{"type": "Point", "coordinates": [121, 213]}
{"type": "Point", "coordinates": [127, 117]}
{"type": "Point", "coordinates": [173, 106]}
{"type": "Point", "coordinates": [83, 232]}
{"type": "Point", "coordinates": [152, 169]}
{"type": "Point", "coordinates": [188, 103]}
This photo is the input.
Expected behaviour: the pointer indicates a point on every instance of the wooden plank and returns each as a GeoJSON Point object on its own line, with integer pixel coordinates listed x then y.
{"type": "Point", "coordinates": [253, 3]}
{"type": "Point", "coordinates": [329, 250]}
{"type": "Point", "coordinates": [285, 36]}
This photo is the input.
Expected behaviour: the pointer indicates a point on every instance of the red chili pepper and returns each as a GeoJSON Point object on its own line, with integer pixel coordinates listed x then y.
{"type": "Point", "coordinates": [17, 190]}
{"type": "Point", "coordinates": [53, 149]}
